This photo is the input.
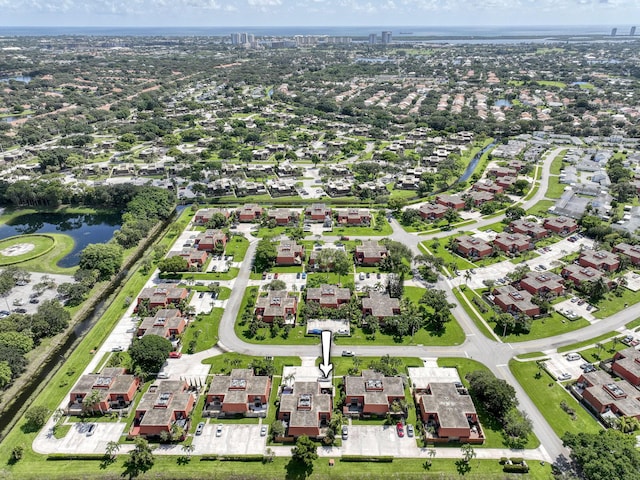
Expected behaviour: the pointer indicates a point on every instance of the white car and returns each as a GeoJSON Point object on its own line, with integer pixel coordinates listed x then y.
{"type": "Point", "coordinates": [219, 430]}
{"type": "Point", "coordinates": [564, 376]}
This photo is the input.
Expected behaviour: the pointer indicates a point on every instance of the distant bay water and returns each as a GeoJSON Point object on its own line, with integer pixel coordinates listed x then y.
{"type": "Point", "coordinates": [334, 31]}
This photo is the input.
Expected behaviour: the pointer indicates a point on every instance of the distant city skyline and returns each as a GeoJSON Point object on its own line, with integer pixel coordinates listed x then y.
{"type": "Point", "coordinates": [260, 13]}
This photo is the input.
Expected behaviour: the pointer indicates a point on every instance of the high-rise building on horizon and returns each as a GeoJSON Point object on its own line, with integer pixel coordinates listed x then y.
{"type": "Point", "coordinates": [372, 39]}
{"type": "Point", "coordinates": [614, 31]}
{"type": "Point", "coordinates": [632, 32]}
{"type": "Point", "coordinates": [386, 37]}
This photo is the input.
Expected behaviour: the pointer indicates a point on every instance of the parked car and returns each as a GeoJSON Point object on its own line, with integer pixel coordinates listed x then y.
{"type": "Point", "coordinates": [345, 432]}
{"type": "Point", "coordinates": [175, 354]}
{"type": "Point", "coordinates": [298, 275]}
{"type": "Point", "coordinates": [219, 430]}
{"type": "Point", "coordinates": [347, 353]}
{"type": "Point", "coordinates": [361, 276]}
{"type": "Point", "coordinates": [200, 428]}
{"type": "Point", "coordinates": [275, 275]}
{"type": "Point", "coordinates": [304, 275]}
{"type": "Point", "coordinates": [573, 356]}
{"type": "Point", "coordinates": [378, 275]}
{"type": "Point", "coordinates": [400, 429]}
{"type": "Point", "coordinates": [201, 295]}
{"type": "Point", "coordinates": [263, 430]}
{"type": "Point", "coordinates": [163, 375]}
{"type": "Point", "coordinates": [564, 376]}
{"type": "Point", "coordinates": [92, 429]}
{"type": "Point", "coordinates": [118, 348]}
{"type": "Point", "coordinates": [410, 430]}
{"type": "Point", "coordinates": [343, 331]}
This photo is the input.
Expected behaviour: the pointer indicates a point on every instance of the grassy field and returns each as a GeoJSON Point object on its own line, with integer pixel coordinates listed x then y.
{"type": "Point", "coordinates": [171, 467]}
{"type": "Point", "coordinates": [237, 247]}
{"type": "Point", "coordinates": [541, 208]}
{"type": "Point", "coordinates": [613, 304]}
{"type": "Point", "coordinates": [486, 331]}
{"type": "Point", "coordinates": [556, 165]}
{"type": "Point", "coordinates": [555, 188]}
{"type": "Point", "coordinates": [547, 395]}
{"type": "Point", "coordinates": [203, 330]}
{"type": "Point", "coordinates": [377, 229]}
{"type": "Point", "coordinates": [48, 263]}
{"type": "Point", "coordinates": [39, 244]}
{"type": "Point", "coordinates": [492, 429]}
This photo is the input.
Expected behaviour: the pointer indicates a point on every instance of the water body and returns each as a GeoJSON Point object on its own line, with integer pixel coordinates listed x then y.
{"type": "Point", "coordinates": [473, 163]}
{"type": "Point", "coordinates": [22, 78]}
{"type": "Point", "coordinates": [503, 103]}
{"type": "Point", "coordinates": [13, 118]}
{"type": "Point", "coordinates": [83, 228]}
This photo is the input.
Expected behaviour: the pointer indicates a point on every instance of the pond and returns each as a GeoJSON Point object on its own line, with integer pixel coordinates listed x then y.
{"type": "Point", "coordinates": [13, 118]}
{"type": "Point", "coordinates": [83, 228]}
{"type": "Point", "coordinates": [20, 78]}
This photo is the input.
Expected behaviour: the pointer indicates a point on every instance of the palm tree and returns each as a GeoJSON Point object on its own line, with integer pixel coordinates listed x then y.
{"type": "Point", "coordinates": [188, 449]}
{"type": "Point", "coordinates": [112, 449]}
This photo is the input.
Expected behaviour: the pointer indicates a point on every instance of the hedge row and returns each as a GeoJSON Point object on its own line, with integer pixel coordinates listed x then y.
{"type": "Point", "coordinates": [75, 456]}
{"type": "Point", "coordinates": [365, 458]}
{"type": "Point", "coordinates": [232, 458]}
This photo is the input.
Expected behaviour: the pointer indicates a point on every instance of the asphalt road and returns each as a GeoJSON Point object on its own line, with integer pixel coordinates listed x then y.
{"type": "Point", "coordinates": [494, 354]}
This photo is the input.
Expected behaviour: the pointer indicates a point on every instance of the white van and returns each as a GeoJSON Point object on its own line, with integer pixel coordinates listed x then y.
{"type": "Point", "coordinates": [573, 356]}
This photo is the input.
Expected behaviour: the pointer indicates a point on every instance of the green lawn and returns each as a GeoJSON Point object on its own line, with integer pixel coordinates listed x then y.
{"type": "Point", "coordinates": [591, 341]}
{"type": "Point", "coordinates": [595, 354]}
{"type": "Point", "coordinates": [381, 228]}
{"type": "Point", "coordinates": [497, 227]}
{"type": "Point", "coordinates": [541, 208]}
{"type": "Point", "coordinates": [547, 395]}
{"type": "Point", "coordinates": [38, 244]}
{"type": "Point", "coordinates": [48, 263]}
{"type": "Point", "coordinates": [36, 467]}
{"type": "Point", "coordinates": [556, 165]}
{"type": "Point", "coordinates": [237, 247]}
{"type": "Point", "coordinates": [555, 188]}
{"type": "Point", "coordinates": [613, 304]}
{"type": "Point", "coordinates": [492, 429]}
{"type": "Point", "coordinates": [551, 83]}
{"type": "Point", "coordinates": [203, 331]}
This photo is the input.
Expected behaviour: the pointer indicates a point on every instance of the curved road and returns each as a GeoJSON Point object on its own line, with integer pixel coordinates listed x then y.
{"type": "Point", "coordinates": [495, 355]}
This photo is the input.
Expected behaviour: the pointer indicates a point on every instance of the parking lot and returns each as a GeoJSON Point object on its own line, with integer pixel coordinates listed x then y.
{"type": "Point", "coordinates": [375, 281]}
{"type": "Point", "coordinates": [235, 439]}
{"type": "Point", "coordinates": [558, 364]}
{"type": "Point", "coordinates": [378, 440]}
{"type": "Point", "coordinates": [19, 299]}
{"type": "Point", "coordinates": [77, 441]}
{"type": "Point", "coordinates": [577, 307]}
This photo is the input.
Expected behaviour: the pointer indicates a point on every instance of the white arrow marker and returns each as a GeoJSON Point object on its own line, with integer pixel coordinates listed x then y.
{"type": "Point", "coordinates": [325, 366]}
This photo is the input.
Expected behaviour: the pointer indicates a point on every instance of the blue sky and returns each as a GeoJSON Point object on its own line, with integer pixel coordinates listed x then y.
{"type": "Point", "coordinates": [316, 12]}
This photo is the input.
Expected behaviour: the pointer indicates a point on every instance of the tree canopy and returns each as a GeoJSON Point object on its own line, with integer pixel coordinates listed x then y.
{"type": "Point", "coordinates": [150, 352]}
{"type": "Point", "coordinates": [605, 455]}
{"type": "Point", "coordinates": [106, 258]}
